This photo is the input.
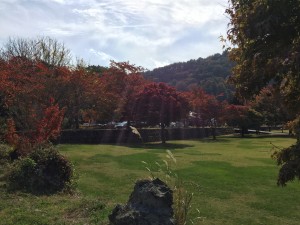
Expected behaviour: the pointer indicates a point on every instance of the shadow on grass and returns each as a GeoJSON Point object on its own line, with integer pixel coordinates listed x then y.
{"type": "Point", "coordinates": [210, 140]}
{"type": "Point", "coordinates": [158, 146]}
{"type": "Point", "coordinates": [274, 135]}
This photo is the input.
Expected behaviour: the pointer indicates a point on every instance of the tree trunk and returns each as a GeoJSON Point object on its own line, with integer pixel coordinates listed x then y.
{"type": "Point", "coordinates": [77, 121]}
{"type": "Point", "coordinates": [213, 132]}
{"type": "Point", "coordinates": [162, 133]}
{"type": "Point", "coordinates": [243, 131]}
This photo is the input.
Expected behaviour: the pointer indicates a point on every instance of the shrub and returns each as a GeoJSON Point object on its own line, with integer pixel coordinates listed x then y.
{"type": "Point", "coordinates": [44, 171]}
{"type": "Point", "coordinates": [21, 174]}
{"type": "Point", "coordinates": [5, 151]}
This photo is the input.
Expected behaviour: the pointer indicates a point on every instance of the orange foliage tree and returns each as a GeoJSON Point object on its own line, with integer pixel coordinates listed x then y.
{"type": "Point", "coordinates": [31, 119]}
{"type": "Point", "coordinates": [121, 82]}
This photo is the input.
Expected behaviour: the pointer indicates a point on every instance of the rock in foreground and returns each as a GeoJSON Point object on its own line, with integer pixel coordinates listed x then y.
{"type": "Point", "coordinates": [150, 203]}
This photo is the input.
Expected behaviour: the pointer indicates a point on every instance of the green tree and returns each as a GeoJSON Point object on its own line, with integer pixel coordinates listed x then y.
{"type": "Point", "coordinates": [269, 103]}
{"type": "Point", "coordinates": [265, 35]}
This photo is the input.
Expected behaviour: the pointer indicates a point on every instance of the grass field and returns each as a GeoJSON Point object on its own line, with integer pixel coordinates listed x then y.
{"type": "Point", "coordinates": [233, 181]}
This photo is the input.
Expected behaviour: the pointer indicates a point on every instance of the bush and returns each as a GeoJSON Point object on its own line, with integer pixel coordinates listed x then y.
{"type": "Point", "coordinates": [5, 152]}
{"type": "Point", "coordinates": [44, 171]}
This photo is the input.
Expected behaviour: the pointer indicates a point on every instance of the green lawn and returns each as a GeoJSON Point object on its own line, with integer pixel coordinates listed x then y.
{"type": "Point", "coordinates": [233, 181]}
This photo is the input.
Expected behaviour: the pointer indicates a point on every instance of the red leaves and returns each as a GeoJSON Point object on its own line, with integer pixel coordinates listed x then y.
{"type": "Point", "coordinates": [11, 136]}
{"type": "Point", "coordinates": [49, 126]}
{"type": "Point", "coordinates": [159, 103]}
{"type": "Point", "coordinates": [47, 129]}
{"type": "Point", "coordinates": [236, 112]}
{"type": "Point", "coordinates": [20, 143]}
{"type": "Point", "coordinates": [121, 83]}
{"type": "Point", "coordinates": [25, 88]}
{"type": "Point", "coordinates": [206, 107]}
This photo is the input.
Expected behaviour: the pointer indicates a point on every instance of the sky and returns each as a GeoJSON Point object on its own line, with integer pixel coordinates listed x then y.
{"type": "Point", "coordinates": [147, 33]}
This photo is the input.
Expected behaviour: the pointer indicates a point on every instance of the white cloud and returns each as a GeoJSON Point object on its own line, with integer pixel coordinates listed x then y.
{"type": "Point", "coordinates": [149, 33]}
{"type": "Point", "coordinates": [102, 55]}
{"type": "Point", "coordinates": [159, 63]}
{"type": "Point", "coordinates": [63, 2]}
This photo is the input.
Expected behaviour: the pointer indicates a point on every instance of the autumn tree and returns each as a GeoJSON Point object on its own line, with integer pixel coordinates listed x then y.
{"type": "Point", "coordinates": [47, 128]}
{"type": "Point", "coordinates": [21, 87]}
{"type": "Point", "coordinates": [24, 104]}
{"type": "Point", "coordinates": [206, 108]}
{"type": "Point", "coordinates": [32, 118]}
{"type": "Point", "coordinates": [266, 47]}
{"type": "Point", "coordinates": [122, 81]}
{"type": "Point", "coordinates": [32, 71]}
{"type": "Point", "coordinates": [159, 104]}
{"type": "Point", "coordinates": [236, 117]}
{"type": "Point", "coordinates": [78, 93]}
{"type": "Point", "coordinates": [243, 117]}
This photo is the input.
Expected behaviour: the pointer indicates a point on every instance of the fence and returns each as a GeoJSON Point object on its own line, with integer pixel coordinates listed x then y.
{"type": "Point", "coordinates": [113, 136]}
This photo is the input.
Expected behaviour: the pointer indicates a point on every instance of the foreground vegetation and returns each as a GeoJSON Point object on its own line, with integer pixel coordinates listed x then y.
{"type": "Point", "coordinates": [233, 181]}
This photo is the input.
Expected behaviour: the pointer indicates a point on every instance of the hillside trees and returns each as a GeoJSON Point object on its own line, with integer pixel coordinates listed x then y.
{"type": "Point", "coordinates": [266, 40]}
{"type": "Point", "coordinates": [159, 104]}
{"type": "Point", "coordinates": [209, 73]}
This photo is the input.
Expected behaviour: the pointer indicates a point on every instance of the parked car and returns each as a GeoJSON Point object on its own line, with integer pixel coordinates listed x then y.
{"type": "Point", "coordinates": [121, 125]}
{"type": "Point", "coordinates": [176, 125]}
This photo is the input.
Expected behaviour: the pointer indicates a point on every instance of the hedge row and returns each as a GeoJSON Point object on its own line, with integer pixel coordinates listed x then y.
{"type": "Point", "coordinates": [113, 136]}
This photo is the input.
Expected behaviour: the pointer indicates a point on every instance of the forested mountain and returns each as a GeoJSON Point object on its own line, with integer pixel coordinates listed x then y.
{"type": "Point", "coordinates": [209, 73]}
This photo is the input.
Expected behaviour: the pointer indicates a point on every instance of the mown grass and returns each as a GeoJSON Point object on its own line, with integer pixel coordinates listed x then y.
{"type": "Point", "coordinates": [233, 181]}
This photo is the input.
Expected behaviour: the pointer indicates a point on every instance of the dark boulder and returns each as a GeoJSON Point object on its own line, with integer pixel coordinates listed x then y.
{"type": "Point", "coordinates": [150, 203]}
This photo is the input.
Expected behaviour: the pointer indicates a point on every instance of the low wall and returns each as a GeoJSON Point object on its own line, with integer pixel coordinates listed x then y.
{"type": "Point", "coordinates": [112, 136]}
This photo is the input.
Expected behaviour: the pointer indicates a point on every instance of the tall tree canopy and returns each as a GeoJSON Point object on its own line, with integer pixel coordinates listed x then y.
{"type": "Point", "coordinates": [159, 104]}
{"type": "Point", "coordinates": [269, 103]}
{"type": "Point", "coordinates": [206, 109]}
{"type": "Point", "coordinates": [45, 49]}
{"type": "Point", "coordinates": [266, 39]}
{"type": "Point", "coordinates": [123, 81]}
{"type": "Point", "coordinates": [265, 35]}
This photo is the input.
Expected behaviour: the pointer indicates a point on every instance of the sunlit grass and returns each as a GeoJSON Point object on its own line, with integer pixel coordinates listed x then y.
{"type": "Point", "coordinates": [233, 181]}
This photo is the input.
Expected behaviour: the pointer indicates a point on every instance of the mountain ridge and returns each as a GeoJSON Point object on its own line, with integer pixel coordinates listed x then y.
{"type": "Point", "coordinates": [209, 73]}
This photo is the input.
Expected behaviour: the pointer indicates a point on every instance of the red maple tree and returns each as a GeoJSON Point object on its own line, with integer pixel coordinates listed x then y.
{"type": "Point", "coordinates": [159, 104]}
{"type": "Point", "coordinates": [206, 109]}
